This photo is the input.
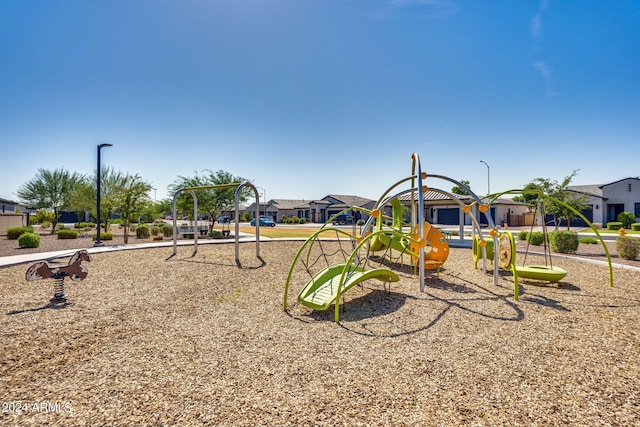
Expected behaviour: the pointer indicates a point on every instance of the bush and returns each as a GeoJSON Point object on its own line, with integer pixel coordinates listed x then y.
{"type": "Point", "coordinates": [564, 241]}
{"type": "Point", "coordinates": [67, 234]}
{"type": "Point", "coordinates": [16, 232]}
{"type": "Point", "coordinates": [60, 226]}
{"type": "Point", "coordinates": [45, 224]}
{"type": "Point", "coordinates": [536, 237]}
{"type": "Point", "coordinates": [626, 218]}
{"type": "Point", "coordinates": [302, 221]}
{"type": "Point", "coordinates": [283, 219]}
{"type": "Point", "coordinates": [216, 234]}
{"type": "Point", "coordinates": [104, 236]}
{"type": "Point", "coordinates": [43, 216]}
{"type": "Point", "coordinates": [167, 230]}
{"type": "Point", "coordinates": [627, 247]}
{"type": "Point", "coordinates": [84, 225]}
{"type": "Point", "coordinates": [360, 222]}
{"type": "Point", "coordinates": [589, 240]}
{"type": "Point", "coordinates": [614, 225]}
{"type": "Point", "coordinates": [142, 232]}
{"type": "Point", "coordinates": [29, 240]}
{"type": "Point", "coordinates": [523, 236]}
{"type": "Point", "coordinates": [155, 230]}
{"type": "Point", "coordinates": [636, 226]}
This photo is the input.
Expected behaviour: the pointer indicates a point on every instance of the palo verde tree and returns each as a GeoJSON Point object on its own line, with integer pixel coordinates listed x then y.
{"type": "Point", "coordinates": [558, 190]}
{"type": "Point", "coordinates": [50, 190]}
{"type": "Point", "coordinates": [212, 201]}
{"type": "Point", "coordinates": [130, 199]}
{"type": "Point", "coordinates": [84, 195]}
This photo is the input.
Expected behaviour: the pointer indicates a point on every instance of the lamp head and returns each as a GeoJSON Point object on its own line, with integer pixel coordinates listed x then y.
{"type": "Point", "coordinates": [105, 145]}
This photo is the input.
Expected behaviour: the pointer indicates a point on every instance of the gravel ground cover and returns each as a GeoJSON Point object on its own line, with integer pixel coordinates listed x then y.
{"type": "Point", "coordinates": [199, 341]}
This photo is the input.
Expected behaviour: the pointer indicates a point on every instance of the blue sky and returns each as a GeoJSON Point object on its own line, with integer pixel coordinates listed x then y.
{"type": "Point", "coordinates": [308, 98]}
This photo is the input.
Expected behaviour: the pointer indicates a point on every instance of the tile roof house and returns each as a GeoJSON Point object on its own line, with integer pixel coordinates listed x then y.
{"type": "Point", "coordinates": [318, 211]}
{"type": "Point", "coordinates": [442, 209]}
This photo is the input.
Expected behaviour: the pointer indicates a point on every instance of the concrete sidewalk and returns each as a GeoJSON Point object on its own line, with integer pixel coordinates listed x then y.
{"type": "Point", "coordinates": [48, 256]}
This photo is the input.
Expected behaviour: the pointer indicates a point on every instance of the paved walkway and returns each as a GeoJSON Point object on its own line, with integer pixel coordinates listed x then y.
{"type": "Point", "coordinates": [48, 256]}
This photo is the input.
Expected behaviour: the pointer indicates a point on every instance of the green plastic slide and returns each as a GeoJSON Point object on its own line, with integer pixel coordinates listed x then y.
{"type": "Point", "coordinates": [321, 291]}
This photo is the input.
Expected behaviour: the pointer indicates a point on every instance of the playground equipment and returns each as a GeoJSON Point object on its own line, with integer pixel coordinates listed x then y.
{"type": "Point", "coordinates": [507, 260]}
{"type": "Point", "coordinates": [74, 269]}
{"type": "Point", "coordinates": [506, 249]}
{"type": "Point", "coordinates": [238, 189]}
{"type": "Point", "coordinates": [424, 245]}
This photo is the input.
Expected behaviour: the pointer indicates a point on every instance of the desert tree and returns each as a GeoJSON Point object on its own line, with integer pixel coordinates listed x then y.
{"type": "Point", "coordinates": [212, 201]}
{"type": "Point", "coordinates": [50, 190]}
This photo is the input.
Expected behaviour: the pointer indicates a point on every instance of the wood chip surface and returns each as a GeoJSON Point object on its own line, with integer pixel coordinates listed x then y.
{"type": "Point", "coordinates": [199, 341]}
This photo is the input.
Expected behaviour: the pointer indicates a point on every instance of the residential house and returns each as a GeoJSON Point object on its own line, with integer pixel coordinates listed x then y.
{"type": "Point", "coordinates": [441, 208]}
{"type": "Point", "coordinates": [607, 201]}
{"type": "Point", "coordinates": [12, 214]}
{"type": "Point", "coordinates": [317, 211]}
{"type": "Point", "coordinates": [320, 211]}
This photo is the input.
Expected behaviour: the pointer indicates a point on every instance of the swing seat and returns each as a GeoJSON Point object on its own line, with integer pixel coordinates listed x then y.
{"type": "Point", "coordinates": [541, 272]}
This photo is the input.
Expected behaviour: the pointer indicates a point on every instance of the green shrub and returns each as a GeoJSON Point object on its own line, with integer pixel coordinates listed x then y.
{"type": "Point", "coordinates": [60, 226]}
{"type": "Point", "coordinates": [167, 230]}
{"type": "Point", "coordinates": [29, 240]}
{"type": "Point", "coordinates": [523, 236]}
{"type": "Point", "coordinates": [589, 240]}
{"type": "Point", "coordinates": [84, 225]}
{"type": "Point", "coordinates": [216, 234]}
{"type": "Point", "coordinates": [360, 222]}
{"type": "Point", "coordinates": [45, 224]}
{"type": "Point", "coordinates": [635, 227]}
{"type": "Point", "coordinates": [614, 225]}
{"type": "Point", "coordinates": [16, 232]}
{"type": "Point", "coordinates": [155, 230]}
{"type": "Point", "coordinates": [564, 241]}
{"type": "Point", "coordinates": [536, 237]}
{"type": "Point", "coordinates": [43, 216]}
{"type": "Point", "coordinates": [302, 221]}
{"type": "Point", "coordinates": [142, 232]}
{"type": "Point", "coordinates": [67, 234]}
{"type": "Point", "coordinates": [283, 219]}
{"type": "Point", "coordinates": [104, 236]}
{"type": "Point", "coordinates": [626, 218]}
{"type": "Point", "coordinates": [627, 247]}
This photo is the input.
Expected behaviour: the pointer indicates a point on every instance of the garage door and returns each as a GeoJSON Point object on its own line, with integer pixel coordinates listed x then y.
{"type": "Point", "coordinates": [575, 222]}
{"type": "Point", "coordinates": [449, 216]}
{"type": "Point", "coordinates": [483, 218]}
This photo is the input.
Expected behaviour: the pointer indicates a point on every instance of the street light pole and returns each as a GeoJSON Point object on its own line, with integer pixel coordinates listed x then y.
{"type": "Point", "coordinates": [98, 173]}
{"type": "Point", "coordinates": [488, 178]}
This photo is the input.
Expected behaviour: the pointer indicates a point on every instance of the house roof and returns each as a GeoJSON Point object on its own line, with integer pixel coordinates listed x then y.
{"type": "Point", "coordinates": [591, 190]}
{"type": "Point", "coordinates": [286, 204]}
{"type": "Point", "coordinates": [620, 180]}
{"type": "Point", "coordinates": [434, 196]}
{"type": "Point", "coordinates": [9, 202]}
{"type": "Point", "coordinates": [348, 201]}
{"type": "Point", "coordinates": [595, 189]}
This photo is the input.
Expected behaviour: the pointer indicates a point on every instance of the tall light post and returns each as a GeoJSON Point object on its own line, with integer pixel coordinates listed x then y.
{"type": "Point", "coordinates": [488, 178]}
{"type": "Point", "coordinates": [98, 173]}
